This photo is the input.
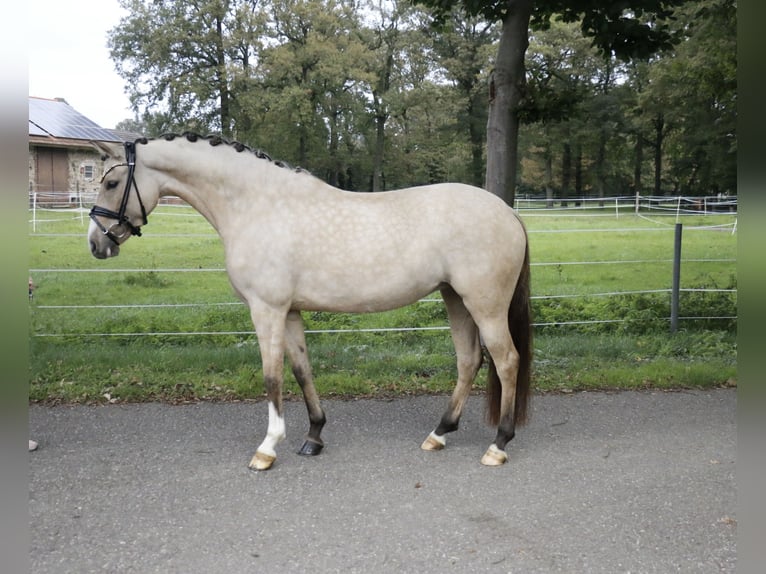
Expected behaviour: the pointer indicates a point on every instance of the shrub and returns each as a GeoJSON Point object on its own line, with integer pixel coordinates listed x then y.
{"type": "Point", "coordinates": [641, 313]}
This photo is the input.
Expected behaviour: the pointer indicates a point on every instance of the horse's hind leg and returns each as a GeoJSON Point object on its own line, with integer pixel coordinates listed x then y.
{"type": "Point", "coordinates": [497, 339]}
{"type": "Point", "coordinates": [465, 336]}
{"type": "Point", "coordinates": [298, 355]}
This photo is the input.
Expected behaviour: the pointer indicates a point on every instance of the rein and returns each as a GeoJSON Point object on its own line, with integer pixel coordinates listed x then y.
{"type": "Point", "coordinates": [117, 230]}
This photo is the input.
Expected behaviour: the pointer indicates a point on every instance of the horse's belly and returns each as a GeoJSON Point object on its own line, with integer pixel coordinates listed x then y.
{"type": "Point", "coordinates": [363, 291]}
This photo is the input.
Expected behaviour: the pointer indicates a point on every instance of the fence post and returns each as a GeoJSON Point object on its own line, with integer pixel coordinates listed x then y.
{"type": "Point", "coordinates": [674, 295]}
{"type": "Point", "coordinates": [79, 206]}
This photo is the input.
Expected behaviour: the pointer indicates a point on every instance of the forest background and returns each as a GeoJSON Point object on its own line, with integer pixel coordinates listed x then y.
{"type": "Point", "coordinates": [372, 95]}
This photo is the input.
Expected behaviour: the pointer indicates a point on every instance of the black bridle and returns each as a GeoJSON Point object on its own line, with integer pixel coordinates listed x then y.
{"type": "Point", "coordinates": [118, 230]}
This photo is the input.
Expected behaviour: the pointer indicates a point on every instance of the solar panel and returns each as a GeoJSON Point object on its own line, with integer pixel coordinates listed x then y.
{"type": "Point", "coordinates": [35, 130]}
{"type": "Point", "coordinates": [59, 119]}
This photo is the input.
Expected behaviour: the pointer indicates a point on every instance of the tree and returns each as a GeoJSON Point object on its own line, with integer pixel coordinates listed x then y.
{"type": "Point", "coordinates": [561, 67]}
{"type": "Point", "coordinates": [463, 48]}
{"type": "Point", "coordinates": [362, 93]}
{"type": "Point", "coordinates": [385, 36]}
{"type": "Point", "coordinates": [635, 28]}
{"type": "Point", "coordinates": [314, 61]}
{"type": "Point", "coordinates": [178, 54]}
{"type": "Point", "coordinates": [683, 105]}
{"type": "Point", "coordinates": [699, 86]}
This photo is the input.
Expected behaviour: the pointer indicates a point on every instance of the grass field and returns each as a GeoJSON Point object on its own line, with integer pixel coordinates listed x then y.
{"type": "Point", "coordinates": [167, 292]}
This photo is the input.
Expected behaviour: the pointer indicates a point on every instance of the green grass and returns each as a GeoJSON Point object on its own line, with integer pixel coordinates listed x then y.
{"type": "Point", "coordinates": [371, 365]}
{"type": "Point", "coordinates": [636, 353]}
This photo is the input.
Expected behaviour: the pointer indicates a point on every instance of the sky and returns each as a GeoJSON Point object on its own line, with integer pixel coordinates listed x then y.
{"type": "Point", "coordinates": [68, 57]}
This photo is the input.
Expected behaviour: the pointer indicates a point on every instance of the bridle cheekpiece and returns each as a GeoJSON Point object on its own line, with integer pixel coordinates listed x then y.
{"type": "Point", "coordinates": [123, 225]}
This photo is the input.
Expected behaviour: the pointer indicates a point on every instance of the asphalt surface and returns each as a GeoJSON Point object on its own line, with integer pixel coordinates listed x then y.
{"type": "Point", "coordinates": [596, 482]}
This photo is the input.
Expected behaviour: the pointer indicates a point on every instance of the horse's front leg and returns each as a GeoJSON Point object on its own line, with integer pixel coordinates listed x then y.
{"type": "Point", "coordinates": [298, 354]}
{"type": "Point", "coordinates": [270, 328]}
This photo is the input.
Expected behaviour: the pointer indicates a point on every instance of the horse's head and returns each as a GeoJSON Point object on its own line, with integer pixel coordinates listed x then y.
{"type": "Point", "coordinates": [118, 211]}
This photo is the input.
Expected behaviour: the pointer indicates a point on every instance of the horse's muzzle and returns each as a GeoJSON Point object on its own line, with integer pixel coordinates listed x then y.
{"type": "Point", "coordinates": [104, 250]}
{"type": "Point", "coordinates": [101, 246]}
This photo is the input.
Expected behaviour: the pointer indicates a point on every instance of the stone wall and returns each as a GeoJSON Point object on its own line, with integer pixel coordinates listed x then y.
{"type": "Point", "coordinates": [84, 170]}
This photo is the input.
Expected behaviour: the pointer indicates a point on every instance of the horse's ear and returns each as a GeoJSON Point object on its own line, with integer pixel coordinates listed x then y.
{"type": "Point", "coordinates": [108, 149]}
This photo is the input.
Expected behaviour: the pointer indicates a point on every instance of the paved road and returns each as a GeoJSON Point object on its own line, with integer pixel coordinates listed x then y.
{"type": "Point", "coordinates": [626, 482]}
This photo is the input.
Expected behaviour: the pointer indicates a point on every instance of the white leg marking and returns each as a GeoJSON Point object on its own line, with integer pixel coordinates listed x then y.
{"type": "Point", "coordinates": [434, 442]}
{"type": "Point", "coordinates": [275, 433]}
{"type": "Point", "coordinates": [494, 456]}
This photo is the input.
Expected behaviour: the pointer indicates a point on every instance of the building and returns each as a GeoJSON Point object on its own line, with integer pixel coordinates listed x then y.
{"type": "Point", "coordinates": [64, 168]}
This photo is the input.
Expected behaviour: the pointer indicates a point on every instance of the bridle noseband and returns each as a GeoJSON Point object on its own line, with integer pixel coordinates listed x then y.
{"type": "Point", "coordinates": [113, 231]}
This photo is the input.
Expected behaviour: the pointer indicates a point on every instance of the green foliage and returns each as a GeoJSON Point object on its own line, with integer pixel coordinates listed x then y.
{"type": "Point", "coordinates": [369, 96]}
{"type": "Point", "coordinates": [639, 313]}
{"type": "Point", "coordinates": [618, 28]}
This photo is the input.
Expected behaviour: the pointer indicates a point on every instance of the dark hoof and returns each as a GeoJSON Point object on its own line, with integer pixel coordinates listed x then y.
{"type": "Point", "coordinates": [311, 448]}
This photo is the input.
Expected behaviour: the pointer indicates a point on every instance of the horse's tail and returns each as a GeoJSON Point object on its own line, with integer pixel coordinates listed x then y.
{"type": "Point", "coordinates": [520, 326]}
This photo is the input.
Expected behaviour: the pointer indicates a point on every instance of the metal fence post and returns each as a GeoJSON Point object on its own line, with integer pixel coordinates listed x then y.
{"type": "Point", "coordinates": [674, 299]}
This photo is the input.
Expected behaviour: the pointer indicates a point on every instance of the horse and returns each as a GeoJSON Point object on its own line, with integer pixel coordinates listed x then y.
{"type": "Point", "coordinates": [294, 243]}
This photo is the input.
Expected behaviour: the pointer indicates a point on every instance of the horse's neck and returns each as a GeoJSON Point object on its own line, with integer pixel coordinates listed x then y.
{"type": "Point", "coordinates": [218, 183]}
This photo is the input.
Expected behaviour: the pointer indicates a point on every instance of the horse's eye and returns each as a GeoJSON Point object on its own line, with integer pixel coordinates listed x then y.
{"type": "Point", "coordinates": [111, 184]}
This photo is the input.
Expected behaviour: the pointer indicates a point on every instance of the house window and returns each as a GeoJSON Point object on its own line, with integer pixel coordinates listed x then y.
{"type": "Point", "coordinates": [87, 171]}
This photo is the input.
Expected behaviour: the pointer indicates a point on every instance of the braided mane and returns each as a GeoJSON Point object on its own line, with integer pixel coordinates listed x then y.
{"type": "Point", "coordinates": [215, 140]}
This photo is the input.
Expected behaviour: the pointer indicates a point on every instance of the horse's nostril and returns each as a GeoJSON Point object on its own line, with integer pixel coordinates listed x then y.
{"type": "Point", "coordinates": [96, 252]}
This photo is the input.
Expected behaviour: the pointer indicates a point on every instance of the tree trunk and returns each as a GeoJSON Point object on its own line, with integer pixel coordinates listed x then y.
{"type": "Point", "coordinates": [380, 142]}
{"type": "Point", "coordinates": [579, 191]}
{"type": "Point", "coordinates": [381, 117]}
{"type": "Point", "coordinates": [601, 167]}
{"type": "Point", "coordinates": [639, 160]}
{"type": "Point", "coordinates": [659, 133]}
{"type": "Point", "coordinates": [505, 93]}
{"type": "Point", "coordinates": [548, 176]}
{"type": "Point", "coordinates": [336, 167]}
{"type": "Point", "coordinates": [566, 174]}
{"type": "Point", "coordinates": [303, 122]}
{"type": "Point", "coordinates": [221, 78]}
{"type": "Point", "coordinates": [476, 136]}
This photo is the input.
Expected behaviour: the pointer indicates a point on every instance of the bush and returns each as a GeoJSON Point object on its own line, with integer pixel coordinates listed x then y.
{"type": "Point", "coordinates": [638, 314]}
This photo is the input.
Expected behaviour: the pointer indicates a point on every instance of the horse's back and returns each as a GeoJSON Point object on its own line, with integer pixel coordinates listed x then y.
{"type": "Point", "coordinates": [437, 214]}
{"type": "Point", "coordinates": [346, 251]}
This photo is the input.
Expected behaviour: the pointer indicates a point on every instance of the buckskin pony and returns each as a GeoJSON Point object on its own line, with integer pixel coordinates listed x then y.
{"type": "Point", "coordinates": [294, 243]}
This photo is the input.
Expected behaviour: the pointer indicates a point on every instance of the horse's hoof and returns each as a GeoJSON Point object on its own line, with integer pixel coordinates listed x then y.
{"type": "Point", "coordinates": [261, 461]}
{"type": "Point", "coordinates": [494, 457]}
{"type": "Point", "coordinates": [433, 442]}
{"type": "Point", "coordinates": [311, 448]}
